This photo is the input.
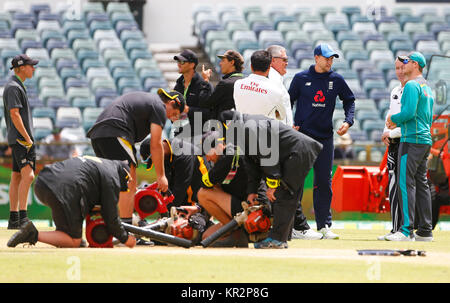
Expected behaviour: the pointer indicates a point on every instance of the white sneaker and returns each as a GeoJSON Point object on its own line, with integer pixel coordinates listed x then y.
{"type": "Point", "coordinates": [383, 237]}
{"type": "Point", "coordinates": [398, 236]}
{"type": "Point", "coordinates": [328, 234]}
{"type": "Point", "coordinates": [423, 239]}
{"type": "Point", "coordinates": [308, 234]}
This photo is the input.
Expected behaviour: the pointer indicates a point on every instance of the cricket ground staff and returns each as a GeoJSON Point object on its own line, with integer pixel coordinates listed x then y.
{"type": "Point", "coordinates": [19, 129]}
{"type": "Point", "coordinates": [72, 188]}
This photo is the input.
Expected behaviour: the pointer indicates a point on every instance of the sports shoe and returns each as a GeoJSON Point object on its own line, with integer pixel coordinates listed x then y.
{"type": "Point", "coordinates": [307, 234]}
{"type": "Point", "coordinates": [398, 236]}
{"type": "Point", "coordinates": [23, 222]}
{"type": "Point", "coordinates": [270, 243]}
{"type": "Point", "coordinates": [142, 242]}
{"type": "Point", "coordinates": [423, 239]}
{"type": "Point", "coordinates": [328, 234]}
{"type": "Point", "coordinates": [383, 237]}
{"type": "Point", "coordinates": [28, 233]}
{"type": "Point", "coordinates": [13, 224]}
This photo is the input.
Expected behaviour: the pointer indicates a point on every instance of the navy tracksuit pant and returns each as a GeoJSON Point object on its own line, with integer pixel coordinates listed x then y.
{"type": "Point", "coordinates": [322, 193]}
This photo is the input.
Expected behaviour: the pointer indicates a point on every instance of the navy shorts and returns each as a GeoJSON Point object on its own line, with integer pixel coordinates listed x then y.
{"type": "Point", "coordinates": [21, 157]}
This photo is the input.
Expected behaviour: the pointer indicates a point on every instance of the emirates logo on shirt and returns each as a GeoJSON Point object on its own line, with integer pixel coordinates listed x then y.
{"type": "Point", "coordinates": [319, 97]}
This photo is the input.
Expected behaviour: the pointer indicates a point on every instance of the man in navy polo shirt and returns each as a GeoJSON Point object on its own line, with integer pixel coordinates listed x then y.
{"type": "Point", "coordinates": [315, 91]}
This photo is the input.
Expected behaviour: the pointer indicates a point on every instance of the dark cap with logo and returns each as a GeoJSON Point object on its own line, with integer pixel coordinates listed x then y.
{"type": "Point", "coordinates": [187, 56]}
{"type": "Point", "coordinates": [173, 95]}
{"type": "Point", "coordinates": [21, 60]}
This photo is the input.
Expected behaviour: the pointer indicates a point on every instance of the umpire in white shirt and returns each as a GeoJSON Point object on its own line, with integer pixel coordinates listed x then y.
{"type": "Point", "coordinates": [391, 138]}
{"type": "Point", "coordinates": [278, 66]}
{"type": "Point", "coordinates": [256, 94]}
{"type": "Point", "coordinates": [277, 71]}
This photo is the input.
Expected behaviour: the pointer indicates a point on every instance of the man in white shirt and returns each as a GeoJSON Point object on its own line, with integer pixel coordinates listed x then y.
{"type": "Point", "coordinates": [256, 94]}
{"type": "Point", "coordinates": [391, 138]}
{"type": "Point", "coordinates": [276, 73]}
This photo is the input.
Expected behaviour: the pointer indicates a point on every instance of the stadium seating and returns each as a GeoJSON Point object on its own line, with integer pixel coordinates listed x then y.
{"type": "Point", "coordinates": [367, 46]}
{"type": "Point", "coordinates": [84, 64]}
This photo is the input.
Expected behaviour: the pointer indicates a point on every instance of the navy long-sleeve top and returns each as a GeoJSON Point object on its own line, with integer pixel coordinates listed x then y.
{"type": "Point", "coordinates": [316, 95]}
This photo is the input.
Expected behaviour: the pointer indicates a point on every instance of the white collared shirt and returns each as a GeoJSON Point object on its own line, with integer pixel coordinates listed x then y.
{"type": "Point", "coordinates": [394, 108]}
{"type": "Point", "coordinates": [275, 76]}
{"type": "Point", "coordinates": [257, 95]}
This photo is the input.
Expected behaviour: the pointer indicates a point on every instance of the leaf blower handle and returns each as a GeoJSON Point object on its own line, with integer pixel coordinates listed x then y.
{"type": "Point", "coordinates": [230, 226]}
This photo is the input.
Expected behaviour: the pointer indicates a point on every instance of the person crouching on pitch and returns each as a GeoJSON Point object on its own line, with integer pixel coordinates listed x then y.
{"type": "Point", "coordinates": [224, 186]}
{"type": "Point", "coordinates": [292, 155]}
{"type": "Point", "coordinates": [72, 188]}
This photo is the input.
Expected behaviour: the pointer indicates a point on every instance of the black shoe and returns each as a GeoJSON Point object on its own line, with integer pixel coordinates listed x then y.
{"type": "Point", "coordinates": [13, 224]}
{"type": "Point", "coordinates": [142, 242]}
{"type": "Point", "coordinates": [27, 234]}
{"type": "Point", "coordinates": [142, 223]}
{"type": "Point", "coordinates": [23, 222]}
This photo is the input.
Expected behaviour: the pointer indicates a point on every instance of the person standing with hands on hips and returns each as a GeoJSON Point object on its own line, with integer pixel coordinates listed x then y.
{"type": "Point", "coordinates": [415, 119]}
{"type": "Point", "coordinates": [315, 91]}
{"type": "Point", "coordinates": [19, 127]}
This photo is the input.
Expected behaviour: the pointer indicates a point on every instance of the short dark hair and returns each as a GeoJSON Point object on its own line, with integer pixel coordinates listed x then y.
{"type": "Point", "coordinates": [261, 60]}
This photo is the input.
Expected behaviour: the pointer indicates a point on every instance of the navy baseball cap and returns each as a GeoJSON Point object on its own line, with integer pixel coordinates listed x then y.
{"type": "Point", "coordinates": [21, 60]}
{"type": "Point", "coordinates": [325, 50]}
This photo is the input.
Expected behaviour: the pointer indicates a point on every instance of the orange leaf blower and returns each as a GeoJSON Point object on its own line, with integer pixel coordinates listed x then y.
{"type": "Point", "coordinates": [149, 200]}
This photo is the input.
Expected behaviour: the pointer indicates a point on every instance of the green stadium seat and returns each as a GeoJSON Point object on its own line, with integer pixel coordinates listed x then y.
{"type": "Point", "coordinates": [139, 53]}
{"type": "Point", "coordinates": [49, 92]}
{"type": "Point", "coordinates": [355, 45]}
{"type": "Point", "coordinates": [82, 102]}
{"type": "Point", "coordinates": [113, 7]}
{"type": "Point", "coordinates": [68, 117]}
{"type": "Point", "coordinates": [115, 17]}
{"type": "Point", "coordinates": [73, 25]}
{"type": "Point", "coordinates": [133, 44]}
{"type": "Point", "coordinates": [26, 34]}
{"type": "Point", "coordinates": [102, 83]}
{"type": "Point", "coordinates": [131, 34]}
{"type": "Point", "coordinates": [90, 115]}
{"type": "Point", "coordinates": [285, 27]}
{"type": "Point", "coordinates": [50, 82]}
{"type": "Point", "coordinates": [296, 36]}
{"type": "Point", "coordinates": [44, 112]}
{"type": "Point", "coordinates": [389, 27]}
{"type": "Point", "coordinates": [144, 64]}
{"type": "Point", "coordinates": [414, 28]}
{"type": "Point", "coordinates": [80, 92]}
{"type": "Point", "coordinates": [246, 10]}
{"type": "Point", "coordinates": [87, 44]}
{"type": "Point", "coordinates": [128, 83]}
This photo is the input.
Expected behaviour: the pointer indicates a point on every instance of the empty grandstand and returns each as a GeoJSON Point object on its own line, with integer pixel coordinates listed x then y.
{"type": "Point", "coordinates": [93, 52]}
{"type": "Point", "coordinates": [85, 61]}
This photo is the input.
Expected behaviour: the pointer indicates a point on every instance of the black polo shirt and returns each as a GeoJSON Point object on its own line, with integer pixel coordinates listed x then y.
{"type": "Point", "coordinates": [221, 173]}
{"type": "Point", "coordinates": [15, 96]}
{"type": "Point", "coordinates": [130, 117]}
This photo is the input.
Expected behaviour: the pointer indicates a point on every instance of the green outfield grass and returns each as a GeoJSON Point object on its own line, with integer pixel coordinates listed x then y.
{"type": "Point", "coordinates": [304, 261]}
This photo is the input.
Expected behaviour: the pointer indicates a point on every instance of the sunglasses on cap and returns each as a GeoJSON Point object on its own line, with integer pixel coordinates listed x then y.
{"type": "Point", "coordinates": [404, 59]}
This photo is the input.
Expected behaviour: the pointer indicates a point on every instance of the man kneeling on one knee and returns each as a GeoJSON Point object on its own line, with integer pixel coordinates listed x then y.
{"type": "Point", "coordinates": [224, 187]}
